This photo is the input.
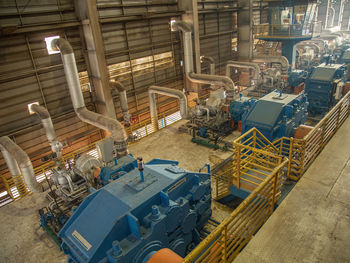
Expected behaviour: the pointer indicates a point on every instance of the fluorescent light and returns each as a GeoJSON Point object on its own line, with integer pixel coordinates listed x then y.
{"type": "Point", "coordinates": [29, 105]}
{"type": "Point", "coordinates": [172, 21]}
{"type": "Point", "coordinates": [48, 41]}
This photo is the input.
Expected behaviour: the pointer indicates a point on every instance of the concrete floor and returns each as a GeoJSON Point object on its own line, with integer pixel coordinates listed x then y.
{"type": "Point", "coordinates": [313, 223]}
{"type": "Point", "coordinates": [21, 239]}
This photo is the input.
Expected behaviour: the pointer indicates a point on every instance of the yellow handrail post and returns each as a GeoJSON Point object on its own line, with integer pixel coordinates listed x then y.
{"type": "Point", "coordinates": [225, 244]}
{"type": "Point", "coordinates": [290, 156]}
{"type": "Point", "coordinates": [238, 168]}
{"type": "Point", "coordinates": [338, 115]}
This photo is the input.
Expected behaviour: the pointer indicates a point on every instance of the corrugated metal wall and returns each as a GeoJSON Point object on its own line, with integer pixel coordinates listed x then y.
{"type": "Point", "coordinates": [28, 74]}
{"type": "Point", "coordinates": [140, 51]}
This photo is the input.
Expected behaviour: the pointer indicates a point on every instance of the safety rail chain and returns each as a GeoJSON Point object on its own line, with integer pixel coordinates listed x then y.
{"type": "Point", "coordinates": [229, 238]}
{"type": "Point", "coordinates": [302, 152]}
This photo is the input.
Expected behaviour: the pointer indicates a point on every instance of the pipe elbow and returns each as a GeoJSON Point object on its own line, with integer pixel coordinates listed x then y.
{"type": "Point", "coordinates": [108, 124]}
{"type": "Point", "coordinates": [23, 162]}
{"type": "Point", "coordinates": [62, 45]}
{"type": "Point", "coordinates": [40, 111]}
{"type": "Point", "coordinates": [181, 25]}
{"type": "Point", "coordinates": [207, 59]}
{"type": "Point", "coordinates": [117, 85]}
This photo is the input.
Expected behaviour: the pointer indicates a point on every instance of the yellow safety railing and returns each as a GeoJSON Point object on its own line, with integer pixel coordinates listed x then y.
{"type": "Point", "coordinates": [302, 152]}
{"type": "Point", "coordinates": [253, 159]}
{"type": "Point", "coordinates": [229, 238]}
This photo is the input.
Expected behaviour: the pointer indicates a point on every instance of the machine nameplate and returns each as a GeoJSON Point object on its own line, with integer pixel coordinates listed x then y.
{"type": "Point", "coordinates": [81, 240]}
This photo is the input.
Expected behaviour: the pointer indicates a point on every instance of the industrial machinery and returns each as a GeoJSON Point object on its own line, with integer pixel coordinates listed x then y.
{"type": "Point", "coordinates": [276, 114]}
{"type": "Point", "coordinates": [156, 205]}
{"type": "Point", "coordinates": [324, 87]}
{"type": "Point", "coordinates": [296, 81]}
{"type": "Point", "coordinates": [239, 106]}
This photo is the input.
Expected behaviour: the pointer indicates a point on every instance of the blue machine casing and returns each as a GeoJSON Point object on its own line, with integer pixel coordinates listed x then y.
{"type": "Point", "coordinates": [321, 86]}
{"type": "Point", "coordinates": [120, 167]}
{"type": "Point", "coordinates": [239, 106]}
{"type": "Point", "coordinates": [129, 220]}
{"type": "Point", "coordinates": [296, 77]}
{"type": "Point", "coordinates": [276, 115]}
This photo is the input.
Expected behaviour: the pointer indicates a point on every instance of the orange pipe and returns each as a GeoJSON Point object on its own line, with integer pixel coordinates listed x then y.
{"type": "Point", "coordinates": [165, 255]}
{"type": "Point", "coordinates": [302, 131]}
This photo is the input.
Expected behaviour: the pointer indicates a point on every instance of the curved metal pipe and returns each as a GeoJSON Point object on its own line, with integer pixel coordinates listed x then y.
{"type": "Point", "coordinates": [46, 121]}
{"type": "Point", "coordinates": [103, 122]}
{"type": "Point", "coordinates": [22, 160]}
{"type": "Point", "coordinates": [152, 90]}
{"type": "Point", "coordinates": [123, 100]}
{"type": "Point", "coordinates": [188, 50]}
{"type": "Point", "coordinates": [212, 80]}
{"type": "Point", "coordinates": [310, 45]}
{"type": "Point", "coordinates": [249, 65]}
{"type": "Point", "coordinates": [211, 63]}
{"type": "Point", "coordinates": [283, 61]}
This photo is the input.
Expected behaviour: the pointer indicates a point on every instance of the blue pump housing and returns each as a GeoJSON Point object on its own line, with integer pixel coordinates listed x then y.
{"type": "Point", "coordinates": [321, 86]}
{"type": "Point", "coordinates": [296, 77]}
{"type": "Point", "coordinates": [276, 115]}
{"type": "Point", "coordinates": [239, 106]}
{"type": "Point", "coordinates": [129, 220]}
{"type": "Point", "coordinates": [120, 167]}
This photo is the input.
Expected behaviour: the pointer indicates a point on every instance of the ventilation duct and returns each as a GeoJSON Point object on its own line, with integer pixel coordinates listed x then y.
{"type": "Point", "coordinates": [106, 123]}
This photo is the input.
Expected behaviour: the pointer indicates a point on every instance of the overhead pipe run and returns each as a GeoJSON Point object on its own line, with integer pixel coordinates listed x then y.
{"type": "Point", "coordinates": [106, 123]}
{"type": "Point", "coordinates": [123, 100]}
{"type": "Point", "coordinates": [212, 80]}
{"type": "Point", "coordinates": [309, 45]}
{"type": "Point", "coordinates": [248, 65]}
{"type": "Point", "coordinates": [16, 158]}
{"type": "Point", "coordinates": [167, 92]}
{"type": "Point", "coordinates": [283, 61]}
{"type": "Point", "coordinates": [211, 62]}
{"type": "Point", "coordinates": [46, 121]}
{"type": "Point", "coordinates": [188, 57]}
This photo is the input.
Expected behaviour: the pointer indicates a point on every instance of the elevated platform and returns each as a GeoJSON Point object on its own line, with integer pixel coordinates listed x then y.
{"type": "Point", "coordinates": [312, 224]}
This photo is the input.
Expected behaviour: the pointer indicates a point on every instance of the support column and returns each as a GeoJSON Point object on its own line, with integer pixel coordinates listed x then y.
{"type": "Point", "coordinates": [86, 10]}
{"type": "Point", "coordinates": [289, 51]}
{"type": "Point", "coordinates": [191, 16]}
{"type": "Point", "coordinates": [323, 12]}
{"type": "Point", "coordinates": [245, 29]}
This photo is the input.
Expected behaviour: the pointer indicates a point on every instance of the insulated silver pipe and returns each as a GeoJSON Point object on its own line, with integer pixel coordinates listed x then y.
{"type": "Point", "coordinates": [240, 64]}
{"type": "Point", "coordinates": [46, 121]}
{"type": "Point", "coordinates": [212, 80]}
{"type": "Point", "coordinates": [20, 159]}
{"type": "Point", "coordinates": [283, 61]}
{"type": "Point", "coordinates": [167, 92]}
{"type": "Point", "coordinates": [211, 62]}
{"type": "Point", "coordinates": [123, 100]}
{"type": "Point", "coordinates": [106, 123]}
{"type": "Point", "coordinates": [310, 45]}
{"type": "Point", "coordinates": [187, 38]}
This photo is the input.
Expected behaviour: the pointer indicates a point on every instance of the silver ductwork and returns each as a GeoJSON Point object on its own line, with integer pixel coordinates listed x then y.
{"type": "Point", "coordinates": [211, 62]}
{"type": "Point", "coordinates": [309, 45]}
{"type": "Point", "coordinates": [106, 123]}
{"type": "Point", "coordinates": [46, 121]}
{"type": "Point", "coordinates": [212, 80]}
{"type": "Point", "coordinates": [167, 92]}
{"type": "Point", "coordinates": [188, 57]}
{"type": "Point", "coordinates": [247, 65]}
{"type": "Point", "coordinates": [123, 100]}
{"type": "Point", "coordinates": [17, 159]}
{"type": "Point", "coordinates": [283, 61]}
{"type": "Point", "coordinates": [187, 39]}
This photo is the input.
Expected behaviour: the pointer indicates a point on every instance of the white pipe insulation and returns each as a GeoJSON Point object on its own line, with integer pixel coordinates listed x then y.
{"type": "Point", "coordinates": [17, 159]}
{"type": "Point", "coordinates": [106, 123]}
{"type": "Point", "coordinates": [46, 121]}
{"type": "Point", "coordinates": [248, 65]}
{"type": "Point", "coordinates": [167, 92]}
{"type": "Point", "coordinates": [123, 100]}
{"type": "Point", "coordinates": [283, 61]}
{"type": "Point", "coordinates": [211, 62]}
{"type": "Point", "coordinates": [188, 57]}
